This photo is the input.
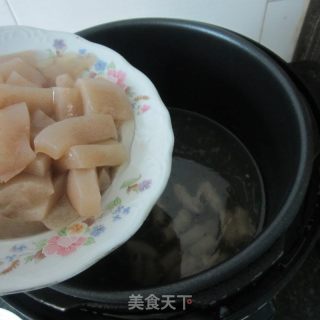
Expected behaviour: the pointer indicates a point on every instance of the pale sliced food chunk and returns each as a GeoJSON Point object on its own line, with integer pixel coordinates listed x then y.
{"type": "Point", "coordinates": [59, 185]}
{"type": "Point", "coordinates": [24, 69]}
{"type": "Point", "coordinates": [39, 166]}
{"type": "Point", "coordinates": [67, 103]}
{"type": "Point", "coordinates": [39, 121]}
{"type": "Point", "coordinates": [104, 96]}
{"type": "Point", "coordinates": [11, 228]}
{"type": "Point", "coordinates": [83, 192]}
{"type": "Point", "coordinates": [109, 141]}
{"type": "Point", "coordinates": [56, 139]}
{"type": "Point", "coordinates": [35, 98]}
{"type": "Point", "coordinates": [69, 63]}
{"type": "Point", "coordinates": [26, 197]}
{"type": "Point", "coordinates": [65, 81]}
{"type": "Point", "coordinates": [104, 179]}
{"type": "Point", "coordinates": [15, 149]}
{"type": "Point", "coordinates": [93, 155]}
{"type": "Point", "coordinates": [29, 56]}
{"type": "Point", "coordinates": [61, 215]}
{"type": "Point", "coordinates": [18, 80]}
{"type": "Point", "coordinates": [239, 227]}
{"type": "Point", "coordinates": [54, 217]}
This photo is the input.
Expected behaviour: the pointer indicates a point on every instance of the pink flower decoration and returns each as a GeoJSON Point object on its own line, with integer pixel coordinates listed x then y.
{"type": "Point", "coordinates": [118, 77]}
{"type": "Point", "coordinates": [63, 246]}
{"type": "Point", "coordinates": [144, 108]}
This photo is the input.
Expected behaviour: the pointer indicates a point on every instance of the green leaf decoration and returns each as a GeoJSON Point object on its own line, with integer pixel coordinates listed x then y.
{"type": "Point", "coordinates": [62, 232]}
{"type": "Point", "coordinates": [111, 65]}
{"type": "Point", "coordinates": [40, 244]}
{"type": "Point", "coordinates": [130, 182]}
{"type": "Point", "coordinates": [28, 259]}
{"type": "Point", "coordinates": [51, 54]}
{"type": "Point", "coordinates": [89, 241]}
{"type": "Point", "coordinates": [116, 202]}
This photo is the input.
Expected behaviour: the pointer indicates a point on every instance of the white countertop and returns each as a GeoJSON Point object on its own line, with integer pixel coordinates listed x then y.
{"type": "Point", "coordinates": [275, 23]}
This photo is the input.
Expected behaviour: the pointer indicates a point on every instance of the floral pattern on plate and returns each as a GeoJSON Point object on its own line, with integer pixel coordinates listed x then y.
{"type": "Point", "coordinates": [109, 71]}
{"type": "Point", "coordinates": [71, 238]}
{"type": "Point", "coordinates": [126, 203]}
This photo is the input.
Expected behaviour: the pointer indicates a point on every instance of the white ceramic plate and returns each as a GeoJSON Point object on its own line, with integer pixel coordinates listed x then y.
{"type": "Point", "coordinates": [51, 257]}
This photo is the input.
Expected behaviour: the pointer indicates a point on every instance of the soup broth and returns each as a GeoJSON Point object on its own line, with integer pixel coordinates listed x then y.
{"type": "Point", "coordinates": [212, 207]}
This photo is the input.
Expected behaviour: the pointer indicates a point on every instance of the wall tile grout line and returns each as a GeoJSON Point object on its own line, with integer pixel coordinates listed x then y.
{"type": "Point", "coordinates": [262, 22]}
{"type": "Point", "coordinates": [12, 12]}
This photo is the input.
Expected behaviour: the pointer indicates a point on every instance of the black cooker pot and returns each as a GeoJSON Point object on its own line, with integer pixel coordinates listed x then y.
{"type": "Point", "coordinates": [230, 79]}
{"type": "Point", "coordinates": [219, 74]}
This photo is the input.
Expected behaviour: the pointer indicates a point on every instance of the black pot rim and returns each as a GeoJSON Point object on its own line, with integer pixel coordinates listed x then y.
{"type": "Point", "coordinates": [287, 212]}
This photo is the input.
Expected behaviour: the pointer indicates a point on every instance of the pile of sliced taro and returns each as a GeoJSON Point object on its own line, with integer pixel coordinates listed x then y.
{"type": "Point", "coordinates": [58, 141]}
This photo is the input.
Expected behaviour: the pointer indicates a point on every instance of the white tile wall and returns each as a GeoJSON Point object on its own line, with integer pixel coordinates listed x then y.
{"type": "Point", "coordinates": [275, 23]}
{"type": "Point", "coordinates": [245, 16]}
{"type": "Point", "coordinates": [282, 25]}
{"type": "Point", "coordinates": [6, 17]}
